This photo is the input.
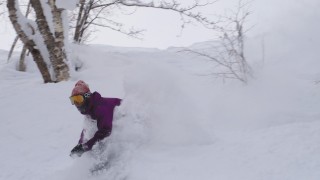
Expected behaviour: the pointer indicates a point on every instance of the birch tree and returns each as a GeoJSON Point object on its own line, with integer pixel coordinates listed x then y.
{"type": "Point", "coordinates": [43, 37]}
{"type": "Point", "coordinates": [22, 66]}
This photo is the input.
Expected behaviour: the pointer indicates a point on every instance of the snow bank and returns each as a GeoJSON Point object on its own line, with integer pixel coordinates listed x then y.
{"type": "Point", "coordinates": [172, 124]}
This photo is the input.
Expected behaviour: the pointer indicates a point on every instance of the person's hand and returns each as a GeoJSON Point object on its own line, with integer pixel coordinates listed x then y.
{"type": "Point", "coordinates": [78, 150]}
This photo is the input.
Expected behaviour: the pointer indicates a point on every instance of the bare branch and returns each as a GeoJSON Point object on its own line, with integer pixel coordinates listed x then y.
{"type": "Point", "coordinates": [232, 71]}
{"type": "Point", "coordinates": [105, 5]}
{"type": "Point", "coordinates": [92, 11]}
{"type": "Point", "coordinates": [132, 32]}
{"type": "Point", "coordinates": [229, 55]}
{"type": "Point", "coordinates": [175, 7]}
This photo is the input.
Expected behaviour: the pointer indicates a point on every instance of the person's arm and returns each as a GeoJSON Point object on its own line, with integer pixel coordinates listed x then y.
{"type": "Point", "coordinates": [115, 101]}
{"type": "Point", "coordinates": [78, 149]}
{"type": "Point", "coordinates": [98, 136]}
{"type": "Point", "coordinates": [105, 117]}
{"type": "Point", "coordinates": [81, 137]}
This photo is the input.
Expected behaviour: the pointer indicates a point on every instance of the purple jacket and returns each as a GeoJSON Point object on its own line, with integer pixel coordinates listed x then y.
{"type": "Point", "coordinates": [101, 110]}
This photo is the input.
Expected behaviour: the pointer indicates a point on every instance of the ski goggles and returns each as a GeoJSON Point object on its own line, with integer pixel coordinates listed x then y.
{"type": "Point", "coordinates": [79, 99]}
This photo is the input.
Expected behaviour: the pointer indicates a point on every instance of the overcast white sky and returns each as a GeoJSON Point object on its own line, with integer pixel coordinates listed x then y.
{"type": "Point", "coordinates": [296, 18]}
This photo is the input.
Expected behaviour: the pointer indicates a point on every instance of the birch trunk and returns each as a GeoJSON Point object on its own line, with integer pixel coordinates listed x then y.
{"type": "Point", "coordinates": [12, 47]}
{"type": "Point", "coordinates": [79, 22]}
{"type": "Point", "coordinates": [22, 64]}
{"type": "Point", "coordinates": [82, 21]}
{"type": "Point", "coordinates": [30, 44]}
{"type": "Point", "coordinates": [17, 37]}
{"type": "Point", "coordinates": [56, 56]}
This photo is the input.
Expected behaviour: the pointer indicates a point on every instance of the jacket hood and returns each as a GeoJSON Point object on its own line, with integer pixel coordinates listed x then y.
{"type": "Point", "coordinates": [92, 101]}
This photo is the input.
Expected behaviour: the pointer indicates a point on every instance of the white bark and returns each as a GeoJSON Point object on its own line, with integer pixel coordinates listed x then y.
{"type": "Point", "coordinates": [26, 31]}
{"type": "Point", "coordinates": [55, 50]}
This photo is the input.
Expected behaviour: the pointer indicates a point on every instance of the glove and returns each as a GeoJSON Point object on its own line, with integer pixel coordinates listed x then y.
{"type": "Point", "coordinates": [78, 150]}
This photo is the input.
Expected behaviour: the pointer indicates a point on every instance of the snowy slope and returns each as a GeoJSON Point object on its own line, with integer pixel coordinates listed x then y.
{"type": "Point", "coordinates": [172, 123]}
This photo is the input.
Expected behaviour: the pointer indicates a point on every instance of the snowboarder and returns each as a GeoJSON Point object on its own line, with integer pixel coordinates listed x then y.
{"type": "Point", "coordinates": [98, 108]}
